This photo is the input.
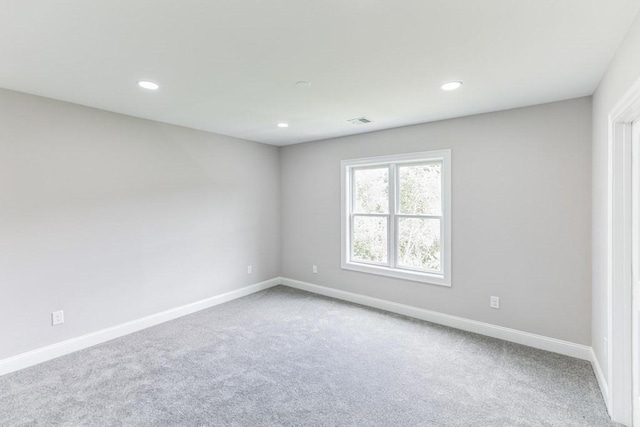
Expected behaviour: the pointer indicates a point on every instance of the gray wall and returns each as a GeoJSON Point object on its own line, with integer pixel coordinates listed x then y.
{"type": "Point", "coordinates": [521, 216]}
{"type": "Point", "coordinates": [623, 71]}
{"type": "Point", "coordinates": [113, 218]}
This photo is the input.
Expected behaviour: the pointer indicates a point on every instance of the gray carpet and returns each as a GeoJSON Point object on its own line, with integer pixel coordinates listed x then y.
{"type": "Point", "coordinates": [283, 357]}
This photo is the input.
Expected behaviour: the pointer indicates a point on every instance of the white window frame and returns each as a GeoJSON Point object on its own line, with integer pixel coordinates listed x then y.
{"type": "Point", "coordinates": [443, 277]}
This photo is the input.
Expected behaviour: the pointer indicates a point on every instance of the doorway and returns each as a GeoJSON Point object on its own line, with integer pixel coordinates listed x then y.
{"type": "Point", "coordinates": [623, 263]}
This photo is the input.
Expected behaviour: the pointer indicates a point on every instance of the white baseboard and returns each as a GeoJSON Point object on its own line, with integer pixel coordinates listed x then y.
{"type": "Point", "coordinates": [513, 335]}
{"type": "Point", "coordinates": [602, 382]}
{"type": "Point", "coordinates": [43, 354]}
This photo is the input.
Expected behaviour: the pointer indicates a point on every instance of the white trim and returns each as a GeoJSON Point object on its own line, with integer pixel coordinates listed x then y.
{"type": "Point", "coordinates": [442, 278]}
{"type": "Point", "coordinates": [525, 338]}
{"type": "Point", "coordinates": [53, 351]}
{"type": "Point", "coordinates": [416, 276]}
{"type": "Point", "coordinates": [602, 382]}
{"type": "Point", "coordinates": [62, 348]}
{"type": "Point", "coordinates": [619, 226]}
{"type": "Point", "coordinates": [635, 267]}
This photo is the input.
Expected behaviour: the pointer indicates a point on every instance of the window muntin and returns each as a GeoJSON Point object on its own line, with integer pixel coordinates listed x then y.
{"type": "Point", "coordinates": [396, 216]}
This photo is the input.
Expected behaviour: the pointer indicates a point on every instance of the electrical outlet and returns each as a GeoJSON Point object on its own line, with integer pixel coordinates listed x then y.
{"type": "Point", "coordinates": [57, 318]}
{"type": "Point", "coordinates": [315, 269]}
{"type": "Point", "coordinates": [495, 302]}
{"type": "Point", "coordinates": [250, 269]}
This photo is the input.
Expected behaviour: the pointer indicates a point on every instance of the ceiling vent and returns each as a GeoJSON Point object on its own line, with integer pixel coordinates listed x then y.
{"type": "Point", "coordinates": [359, 121]}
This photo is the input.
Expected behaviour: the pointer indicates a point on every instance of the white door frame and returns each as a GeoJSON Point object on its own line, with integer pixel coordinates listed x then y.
{"type": "Point", "coordinates": [620, 256]}
{"type": "Point", "coordinates": [635, 267]}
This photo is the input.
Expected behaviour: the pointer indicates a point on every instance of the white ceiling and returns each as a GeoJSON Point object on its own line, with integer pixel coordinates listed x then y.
{"type": "Point", "coordinates": [230, 66]}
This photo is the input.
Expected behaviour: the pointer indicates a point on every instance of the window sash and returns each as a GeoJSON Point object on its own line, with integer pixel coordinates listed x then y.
{"type": "Point", "coordinates": [353, 192]}
{"type": "Point", "coordinates": [397, 243]}
{"type": "Point", "coordinates": [351, 238]}
{"type": "Point", "coordinates": [396, 184]}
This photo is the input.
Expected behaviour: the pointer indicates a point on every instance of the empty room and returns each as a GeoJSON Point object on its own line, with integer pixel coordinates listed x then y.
{"type": "Point", "coordinates": [320, 213]}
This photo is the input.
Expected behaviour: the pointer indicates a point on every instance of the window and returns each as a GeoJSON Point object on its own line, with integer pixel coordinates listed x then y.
{"type": "Point", "coordinates": [396, 216]}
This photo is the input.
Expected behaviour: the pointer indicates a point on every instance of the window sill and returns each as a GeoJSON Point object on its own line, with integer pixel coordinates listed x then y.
{"type": "Point", "coordinates": [414, 276]}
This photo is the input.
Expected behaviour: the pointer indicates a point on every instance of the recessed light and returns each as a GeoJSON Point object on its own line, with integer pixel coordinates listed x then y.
{"type": "Point", "coordinates": [283, 125]}
{"type": "Point", "coordinates": [303, 83]}
{"type": "Point", "coordinates": [451, 85]}
{"type": "Point", "coordinates": [148, 85]}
